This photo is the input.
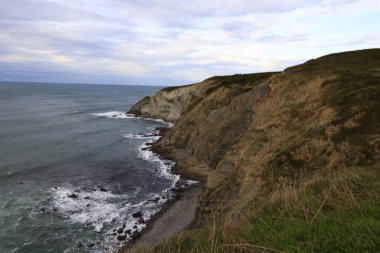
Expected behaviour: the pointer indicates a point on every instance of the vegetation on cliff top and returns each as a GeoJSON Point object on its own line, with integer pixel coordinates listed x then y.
{"type": "Point", "coordinates": [238, 82]}
{"type": "Point", "coordinates": [339, 213]}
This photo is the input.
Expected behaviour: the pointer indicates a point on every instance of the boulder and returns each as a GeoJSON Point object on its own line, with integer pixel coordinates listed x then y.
{"type": "Point", "coordinates": [73, 196]}
{"type": "Point", "coordinates": [136, 215]}
{"type": "Point", "coordinates": [121, 237]}
{"type": "Point", "coordinates": [102, 189]}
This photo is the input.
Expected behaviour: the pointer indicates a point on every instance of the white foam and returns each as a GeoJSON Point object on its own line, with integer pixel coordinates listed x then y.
{"type": "Point", "coordinates": [96, 209]}
{"type": "Point", "coordinates": [164, 166]}
{"type": "Point", "coordinates": [92, 208]}
{"type": "Point", "coordinates": [114, 114]}
{"type": "Point", "coordinates": [123, 115]}
{"type": "Point", "coordinates": [141, 136]}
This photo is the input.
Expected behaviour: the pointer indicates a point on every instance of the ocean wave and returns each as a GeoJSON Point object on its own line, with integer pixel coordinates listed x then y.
{"type": "Point", "coordinates": [92, 208]}
{"type": "Point", "coordinates": [164, 166]}
{"type": "Point", "coordinates": [141, 136]}
{"type": "Point", "coordinates": [105, 211]}
{"type": "Point", "coordinates": [113, 114]}
{"type": "Point", "coordinates": [124, 115]}
{"type": "Point", "coordinates": [99, 209]}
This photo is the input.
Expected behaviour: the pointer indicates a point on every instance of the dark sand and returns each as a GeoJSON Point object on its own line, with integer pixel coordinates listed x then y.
{"type": "Point", "coordinates": [172, 220]}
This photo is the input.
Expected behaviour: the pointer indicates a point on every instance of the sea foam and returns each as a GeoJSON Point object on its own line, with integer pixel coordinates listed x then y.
{"type": "Point", "coordinates": [124, 115]}
{"type": "Point", "coordinates": [102, 210]}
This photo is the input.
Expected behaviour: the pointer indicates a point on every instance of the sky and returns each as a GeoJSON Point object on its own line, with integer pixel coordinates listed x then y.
{"type": "Point", "coordinates": [174, 42]}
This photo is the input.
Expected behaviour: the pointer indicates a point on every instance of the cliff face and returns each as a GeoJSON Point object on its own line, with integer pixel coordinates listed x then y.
{"type": "Point", "coordinates": [167, 104]}
{"type": "Point", "coordinates": [252, 136]}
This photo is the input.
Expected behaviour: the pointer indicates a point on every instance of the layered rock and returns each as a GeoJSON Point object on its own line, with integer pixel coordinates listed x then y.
{"type": "Point", "coordinates": [167, 104]}
{"type": "Point", "coordinates": [250, 136]}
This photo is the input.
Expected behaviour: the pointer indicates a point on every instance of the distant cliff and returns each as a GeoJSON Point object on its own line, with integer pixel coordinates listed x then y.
{"type": "Point", "coordinates": [167, 104]}
{"type": "Point", "coordinates": [251, 135]}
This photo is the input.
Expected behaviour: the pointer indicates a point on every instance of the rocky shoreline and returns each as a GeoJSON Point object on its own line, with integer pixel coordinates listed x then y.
{"type": "Point", "coordinates": [175, 216]}
{"type": "Point", "coordinates": [182, 195]}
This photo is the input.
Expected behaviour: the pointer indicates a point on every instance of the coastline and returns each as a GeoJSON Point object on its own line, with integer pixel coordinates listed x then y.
{"type": "Point", "coordinates": [177, 213]}
{"type": "Point", "coordinates": [176, 216]}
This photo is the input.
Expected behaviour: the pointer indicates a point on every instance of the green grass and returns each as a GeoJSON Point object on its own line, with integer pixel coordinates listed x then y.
{"type": "Point", "coordinates": [359, 60]}
{"type": "Point", "coordinates": [336, 213]}
{"type": "Point", "coordinates": [239, 82]}
{"type": "Point", "coordinates": [173, 88]}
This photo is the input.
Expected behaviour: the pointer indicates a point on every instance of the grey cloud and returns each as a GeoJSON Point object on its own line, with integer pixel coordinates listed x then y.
{"type": "Point", "coordinates": [167, 37]}
{"type": "Point", "coordinates": [281, 38]}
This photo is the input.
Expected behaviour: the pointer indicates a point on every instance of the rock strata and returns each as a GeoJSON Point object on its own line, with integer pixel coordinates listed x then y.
{"type": "Point", "coordinates": [249, 136]}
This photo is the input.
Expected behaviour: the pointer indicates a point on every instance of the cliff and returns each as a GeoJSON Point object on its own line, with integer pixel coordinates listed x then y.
{"type": "Point", "coordinates": [253, 137]}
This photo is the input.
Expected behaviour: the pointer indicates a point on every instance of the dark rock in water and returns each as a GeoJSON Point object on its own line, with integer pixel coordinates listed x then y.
{"type": "Point", "coordinates": [154, 200]}
{"type": "Point", "coordinates": [87, 197]}
{"type": "Point", "coordinates": [141, 220]}
{"type": "Point", "coordinates": [114, 230]}
{"type": "Point", "coordinates": [102, 189]}
{"type": "Point", "coordinates": [21, 183]}
{"type": "Point", "coordinates": [144, 148]}
{"type": "Point", "coordinates": [43, 209]}
{"type": "Point", "coordinates": [124, 225]}
{"type": "Point", "coordinates": [80, 245]}
{"type": "Point", "coordinates": [87, 205]}
{"type": "Point", "coordinates": [113, 116]}
{"type": "Point", "coordinates": [120, 231]}
{"type": "Point", "coordinates": [134, 226]}
{"type": "Point", "coordinates": [55, 188]}
{"type": "Point", "coordinates": [136, 215]}
{"type": "Point", "coordinates": [91, 245]}
{"type": "Point", "coordinates": [98, 242]}
{"type": "Point", "coordinates": [55, 209]}
{"type": "Point", "coordinates": [135, 235]}
{"type": "Point", "coordinates": [114, 234]}
{"type": "Point", "coordinates": [121, 237]}
{"type": "Point", "coordinates": [73, 196]}
{"type": "Point", "coordinates": [128, 231]}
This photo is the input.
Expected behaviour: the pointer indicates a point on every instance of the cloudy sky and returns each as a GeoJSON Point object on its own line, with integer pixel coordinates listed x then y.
{"type": "Point", "coordinates": [171, 42]}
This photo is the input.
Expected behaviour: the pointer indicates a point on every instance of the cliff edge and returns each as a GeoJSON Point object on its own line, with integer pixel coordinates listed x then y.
{"type": "Point", "coordinates": [253, 137]}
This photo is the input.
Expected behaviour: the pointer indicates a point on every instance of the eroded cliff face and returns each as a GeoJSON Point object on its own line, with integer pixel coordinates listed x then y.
{"type": "Point", "coordinates": [168, 104]}
{"type": "Point", "coordinates": [253, 137]}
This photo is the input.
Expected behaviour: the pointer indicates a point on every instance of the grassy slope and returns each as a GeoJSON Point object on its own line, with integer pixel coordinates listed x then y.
{"type": "Point", "coordinates": [338, 214]}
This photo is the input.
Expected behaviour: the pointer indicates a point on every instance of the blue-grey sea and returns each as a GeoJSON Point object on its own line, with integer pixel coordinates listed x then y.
{"type": "Point", "coordinates": [73, 167]}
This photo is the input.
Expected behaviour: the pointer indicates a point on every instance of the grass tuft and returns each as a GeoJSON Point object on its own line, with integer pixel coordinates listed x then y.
{"type": "Point", "coordinates": [335, 213]}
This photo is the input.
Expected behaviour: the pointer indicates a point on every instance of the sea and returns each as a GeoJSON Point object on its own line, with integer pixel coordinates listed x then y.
{"type": "Point", "coordinates": [74, 167]}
